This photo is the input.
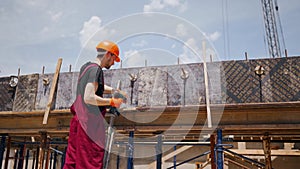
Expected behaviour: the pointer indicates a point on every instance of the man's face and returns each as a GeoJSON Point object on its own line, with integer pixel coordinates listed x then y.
{"type": "Point", "coordinates": [110, 60]}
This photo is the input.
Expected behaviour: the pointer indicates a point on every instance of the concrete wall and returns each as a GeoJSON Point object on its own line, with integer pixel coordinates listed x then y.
{"type": "Point", "coordinates": [229, 82]}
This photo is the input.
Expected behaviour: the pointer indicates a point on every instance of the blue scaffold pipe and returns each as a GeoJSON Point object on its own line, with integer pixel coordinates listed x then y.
{"type": "Point", "coordinates": [130, 150]}
{"type": "Point", "coordinates": [219, 147]}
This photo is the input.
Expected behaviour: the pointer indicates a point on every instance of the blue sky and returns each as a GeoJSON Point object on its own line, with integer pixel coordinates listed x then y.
{"type": "Point", "coordinates": [35, 33]}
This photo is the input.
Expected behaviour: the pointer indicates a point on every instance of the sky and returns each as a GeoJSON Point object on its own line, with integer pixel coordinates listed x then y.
{"type": "Point", "coordinates": [36, 33]}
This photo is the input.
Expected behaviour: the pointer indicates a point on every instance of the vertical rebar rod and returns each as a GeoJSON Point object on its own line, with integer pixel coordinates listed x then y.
{"type": "Point", "coordinates": [260, 89]}
{"type": "Point", "coordinates": [184, 86]}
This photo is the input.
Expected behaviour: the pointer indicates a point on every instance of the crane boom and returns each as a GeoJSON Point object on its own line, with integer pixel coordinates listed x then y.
{"type": "Point", "coordinates": [270, 28]}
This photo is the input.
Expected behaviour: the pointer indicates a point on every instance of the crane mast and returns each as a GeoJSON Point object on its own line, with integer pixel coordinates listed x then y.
{"type": "Point", "coordinates": [270, 28]}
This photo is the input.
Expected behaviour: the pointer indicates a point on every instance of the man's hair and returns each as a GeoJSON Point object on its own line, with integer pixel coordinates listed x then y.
{"type": "Point", "coordinates": [100, 53]}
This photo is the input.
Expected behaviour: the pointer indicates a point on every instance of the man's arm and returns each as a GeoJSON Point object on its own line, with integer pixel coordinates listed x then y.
{"type": "Point", "coordinates": [108, 90]}
{"type": "Point", "coordinates": [90, 96]}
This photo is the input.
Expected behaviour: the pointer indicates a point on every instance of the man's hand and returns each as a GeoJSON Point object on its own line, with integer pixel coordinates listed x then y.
{"type": "Point", "coordinates": [120, 94]}
{"type": "Point", "coordinates": [116, 102]}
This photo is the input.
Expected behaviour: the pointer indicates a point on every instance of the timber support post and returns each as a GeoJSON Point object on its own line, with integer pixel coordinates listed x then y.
{"type": "Point", "coordinates": [267, 151]}
{"type": "Point", "coordinates": [2, 149]}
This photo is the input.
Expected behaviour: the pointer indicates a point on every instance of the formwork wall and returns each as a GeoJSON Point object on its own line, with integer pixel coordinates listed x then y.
{"type": "Point", "coordinates": [228, 82]}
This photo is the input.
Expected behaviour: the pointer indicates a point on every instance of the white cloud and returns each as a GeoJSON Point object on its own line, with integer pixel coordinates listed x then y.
{"type": "Point", "coordinates": [89, 28]}
{"type": "Point", "coordinates": [93, 31]}
{"type": "Point", "coordinates": [181, 30]}
{"type": "Point", "coordinates": [133, 58]}
{"type": "Point", "coordinates": [173, 3]}
{"type": "Point", "coordinates": [214, 36]}
{"type": "Point", "coordinates": [159, 5]}
{"type": "Point", "coordinates": [190, 51]}
{"type": "Point", "coordinates": [155, 5]}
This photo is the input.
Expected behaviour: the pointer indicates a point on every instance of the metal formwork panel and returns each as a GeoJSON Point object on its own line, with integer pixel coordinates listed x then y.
{"type": "Point", "coordinates": [66, 90]}
{"type": "Point", "coordinates": [175, 86]}
{"type": "Point", "coordinates": [111, 78]}
{"type": "Point", "coordinates": [7, 94]}
{"type": "Point", "coordinates": [294, 74]}
{"type": "Point", "coordinates": [239, 82]}
{"type": "Point", "coordinates": [152, 89]}
{"type": "Point", "coordinates": [43, 91]}
{"type": "Point", "coordinates": [277, 80]}
{"type": "Point", "coordinates": [215, 74]}
{"type": "Point", "coordinates": [26, 93]}
{"type": "Point", "coordinates": [194, 92]}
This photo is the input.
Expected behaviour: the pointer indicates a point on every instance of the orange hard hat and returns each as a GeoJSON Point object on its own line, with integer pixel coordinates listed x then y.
{"type": "Point", "coordinates": [110, 47]}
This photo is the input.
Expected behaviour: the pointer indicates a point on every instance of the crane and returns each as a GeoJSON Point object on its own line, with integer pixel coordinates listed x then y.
{"type": "Point", "coordinates": [271, 28]}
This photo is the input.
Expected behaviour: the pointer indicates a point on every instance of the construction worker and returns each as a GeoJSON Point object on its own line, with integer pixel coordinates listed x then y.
{"type": "Point", "coordinates": [86, 143]}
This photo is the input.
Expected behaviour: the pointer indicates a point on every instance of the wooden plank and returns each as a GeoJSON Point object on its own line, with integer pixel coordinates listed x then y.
{"type": "Point", "coordinates": [52, 91]}
{"type": "Point", "coordinates": [43, 146]}
{"type": "Point", "coordinates": [256, 152]}
{"type": "Point", "coordinates": [278, 119]}
{"type": "Point", "coordinates": [267, 151]}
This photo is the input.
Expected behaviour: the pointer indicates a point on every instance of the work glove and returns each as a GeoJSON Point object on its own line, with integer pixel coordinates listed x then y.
{"type": "Point", "coordinates": [120, 94]}
{"type": "Point", "coordinates": [116, 102]}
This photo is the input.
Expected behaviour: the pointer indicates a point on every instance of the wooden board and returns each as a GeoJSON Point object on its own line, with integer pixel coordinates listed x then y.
{"type": "Point", "coordinates": [242, 119]}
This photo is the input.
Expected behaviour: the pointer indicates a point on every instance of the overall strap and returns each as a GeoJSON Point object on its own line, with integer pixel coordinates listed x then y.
{"type": "Point", "coordinates": [84, 71]}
